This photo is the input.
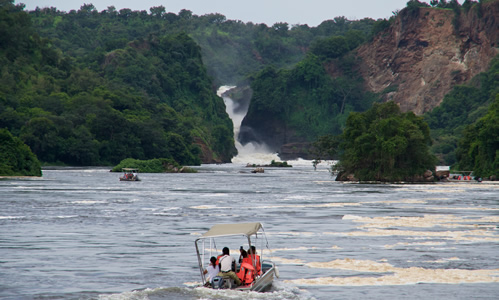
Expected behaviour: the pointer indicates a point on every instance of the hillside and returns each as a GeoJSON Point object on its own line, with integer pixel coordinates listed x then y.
{"type": "Point", "coordinates": [427, 51]}
{"type": "Point", "coordinates": [415, 59]}
{"type": "Point", "coordinates": [144, 98]}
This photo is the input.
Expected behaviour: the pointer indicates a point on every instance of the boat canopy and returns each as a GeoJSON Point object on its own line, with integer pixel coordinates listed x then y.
{"type": "Point", "coordinates": [246, 229]}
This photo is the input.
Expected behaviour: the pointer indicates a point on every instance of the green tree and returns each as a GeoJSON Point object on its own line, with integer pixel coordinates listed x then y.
{"type": "Point", "coordinates": [16, 158]}
{"type": "Point", "coordinates": [331, 47]}
{"type": "Point", "coordinates": [478, 150]}
{"type": "Point", "coordinates": [384, 144]}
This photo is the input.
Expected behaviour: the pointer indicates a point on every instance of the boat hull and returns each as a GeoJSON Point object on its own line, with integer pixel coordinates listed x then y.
{"type": "Point", "coordinates": [261, 284]}
{"type": "Point", "coordinates": [127, 179]}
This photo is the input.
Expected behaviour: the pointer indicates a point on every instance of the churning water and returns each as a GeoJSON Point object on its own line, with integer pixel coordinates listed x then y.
{"type": "Point", "coordinates": [80, 233]}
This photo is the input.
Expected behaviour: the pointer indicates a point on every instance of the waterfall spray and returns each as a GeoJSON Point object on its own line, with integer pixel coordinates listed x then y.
{"type": "Point", "coordinates": [253, 153]}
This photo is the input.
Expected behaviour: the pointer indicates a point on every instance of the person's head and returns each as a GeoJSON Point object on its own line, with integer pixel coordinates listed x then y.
{"type": "Point", "coordinates": [244, 253]}
{"type": "Point", "coordinates": [213, 260]}
{"type": "Point", "coordinates": [226, 251]}
{"type": "Point", "coordinates": [253, 250]}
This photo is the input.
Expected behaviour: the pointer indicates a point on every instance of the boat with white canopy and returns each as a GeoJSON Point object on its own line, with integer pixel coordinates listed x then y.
{"type": "Point", "coordinates": [232, 236]}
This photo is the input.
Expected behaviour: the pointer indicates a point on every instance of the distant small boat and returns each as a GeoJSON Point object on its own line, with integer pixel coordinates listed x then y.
{"type": "Point", "coordinates": [130, 174]}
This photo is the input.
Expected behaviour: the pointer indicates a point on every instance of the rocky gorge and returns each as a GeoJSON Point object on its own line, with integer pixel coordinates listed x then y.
{"type": "Point", "coordinates": [415, 62]}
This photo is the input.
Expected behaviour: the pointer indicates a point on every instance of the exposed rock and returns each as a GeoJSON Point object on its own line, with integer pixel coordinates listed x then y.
{"type": "Point", "coordinates": [241, 96]}
{"type": "Point", "coordinates": [207, 156]}
{"type": "Point", "coordinates": [267, 129]}
{"type": "Point", "coordinates": [342, 176]}
{"type": "Point", "coordinates": [425, 52]}
{"type": "Point", "coordinates": [258, 170]}
{"type": "Point", "coordinates": [415, 62]}
{"type": "Point", "coordinates": [293, 151]}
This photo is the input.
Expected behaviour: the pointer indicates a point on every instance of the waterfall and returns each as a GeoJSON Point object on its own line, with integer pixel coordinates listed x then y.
{"type": "Point", "coordinates": [253, 153]}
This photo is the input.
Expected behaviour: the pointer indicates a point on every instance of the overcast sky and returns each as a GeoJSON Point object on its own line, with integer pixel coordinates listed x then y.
{"type": "Point", "coordinates": [311, 12]}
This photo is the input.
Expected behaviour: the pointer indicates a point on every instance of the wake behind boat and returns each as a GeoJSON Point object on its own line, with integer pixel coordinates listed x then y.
{"type": "Point", "coordinates": [254, 273]}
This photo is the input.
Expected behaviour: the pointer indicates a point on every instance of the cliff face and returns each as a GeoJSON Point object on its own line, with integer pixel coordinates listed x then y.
{"type": "Point", "coordinates": [426, 51]}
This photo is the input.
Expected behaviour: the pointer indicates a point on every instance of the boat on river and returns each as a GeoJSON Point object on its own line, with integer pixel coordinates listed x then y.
{"type": "Point", "coordinates": [232, 235]}
{"type": "Point", "coordinates": [130, 174]}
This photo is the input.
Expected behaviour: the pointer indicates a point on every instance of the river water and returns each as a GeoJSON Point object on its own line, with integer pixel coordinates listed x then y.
{"type": "Point", "coordinates": [80, 233]}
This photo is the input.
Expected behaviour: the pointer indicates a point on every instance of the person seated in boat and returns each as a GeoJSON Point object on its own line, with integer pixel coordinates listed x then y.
{"type": "Point", "coordinates": [228, 266]}
{"type": "Point", "coordinates": [213, 269]}
{"type": "Point", "coordinates": [246, 270]}
{"type": "Point", "coordinates": [253, 256]}
{"type": "Point", "coordinates": [241, 250]}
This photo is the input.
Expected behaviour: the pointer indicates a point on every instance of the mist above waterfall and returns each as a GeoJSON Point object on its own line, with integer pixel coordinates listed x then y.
{"type": "Point", "coordinates": [253, 152]}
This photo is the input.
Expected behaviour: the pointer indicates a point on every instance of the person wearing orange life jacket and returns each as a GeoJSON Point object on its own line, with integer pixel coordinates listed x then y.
{"type": "Point", "coordinates": [252, 254]}
{"type": "Point", "coordinates": [246, 270]}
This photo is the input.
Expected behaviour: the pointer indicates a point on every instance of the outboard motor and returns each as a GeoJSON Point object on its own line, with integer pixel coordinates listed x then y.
{"type": "Point", "coordinates": [217, 282]}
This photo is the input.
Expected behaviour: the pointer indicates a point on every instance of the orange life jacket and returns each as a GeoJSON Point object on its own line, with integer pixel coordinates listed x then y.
{"type": "Point", "coordinates": [246, 272]}
{"type": "Point", "coordinates": [257, 263]}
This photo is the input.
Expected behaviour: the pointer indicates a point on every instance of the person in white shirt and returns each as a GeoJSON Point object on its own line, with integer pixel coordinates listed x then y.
{"type": "Point", "coordinates": [227, 266]}
{"type": "Point", "coordinates": [213, 269]}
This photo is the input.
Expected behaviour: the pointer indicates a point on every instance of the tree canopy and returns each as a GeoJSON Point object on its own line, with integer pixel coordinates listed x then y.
{"type": "Point", "coordinates": [383, 144]}
{"type": "Point", "coordinates": [16, 159]}
{"type": "Point", "coordinates": [462, 106]}
{"type": "Point", "coordinates": [478, 150]}
{"type": "Point", "coordinates": [144, 98]}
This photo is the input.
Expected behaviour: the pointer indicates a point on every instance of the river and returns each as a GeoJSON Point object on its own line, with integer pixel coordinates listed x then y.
{"type": "Point", "coordinates": [80, 233]}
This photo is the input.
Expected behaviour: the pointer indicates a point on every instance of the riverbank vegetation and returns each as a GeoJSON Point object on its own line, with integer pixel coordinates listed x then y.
{"type": "Point", "coordinates": [93, 88]}
{"type": "Point", "coordinates": [384, 144]}
{"type": "Point", "coordinates": [158, 165]}
{"type": "Point", "coordinates": [464, 106]}
{"type": "Point", "coordinates": [478, 150]}
{"type": "Point", "coordinates": [16, 158]}
{"type": "Point", "coordinates": [144, 98]}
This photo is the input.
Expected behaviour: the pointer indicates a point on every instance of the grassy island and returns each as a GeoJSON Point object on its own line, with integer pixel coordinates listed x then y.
{"type": "Point", "coordinates": [158, 165]}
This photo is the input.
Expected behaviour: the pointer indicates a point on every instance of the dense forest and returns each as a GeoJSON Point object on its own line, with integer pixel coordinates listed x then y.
{"type": "Point", "coordinates": [16, 158]}
{"type": "Point", "coordinates": [232, 50]}
{"type": "Point", "coordinates": [146, 98]}
{"type": "Point", "coordinates": [92, 88]}
{"type": "Point", "coordinates": [384, 144]}
{"type": "Point", "coordinates": [463, 106]}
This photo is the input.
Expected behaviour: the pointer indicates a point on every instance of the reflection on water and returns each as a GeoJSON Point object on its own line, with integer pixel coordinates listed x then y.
{"type": "Point", "coordinates": [81, 233]}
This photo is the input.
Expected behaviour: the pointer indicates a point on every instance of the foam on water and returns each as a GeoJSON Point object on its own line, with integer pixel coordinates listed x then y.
{"type": "Point", "coordinates": [395, 275]}
{"type": "Point", "coordinates": [448, 221]}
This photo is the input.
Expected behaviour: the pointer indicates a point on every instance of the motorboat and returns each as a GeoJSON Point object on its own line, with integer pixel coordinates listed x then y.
{"type": "Point", "coordinates": [233, 235]}
{"type": "Point", "coordinates": [130, 174]}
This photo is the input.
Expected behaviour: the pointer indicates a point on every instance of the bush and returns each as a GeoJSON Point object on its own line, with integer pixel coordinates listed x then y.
{"type": "Point", "coordinates": [159, 165]}
{"type": "Point", "coordinates": [16, 158]}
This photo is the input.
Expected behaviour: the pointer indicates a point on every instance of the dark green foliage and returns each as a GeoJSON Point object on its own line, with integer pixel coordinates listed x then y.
{"type": "Point", "coordinates": [158, 165]}
{"type": "Point", "coordinates": [16, 158]}
{"type": "Point", "coordinates": [326, 147]}
{"type": "Point", "coordinates": [464, 105]}
{"type": "Point", "coordinates": [307, 98]}
{"type": "Point", "coordinates": [384, 144]}
{"type": "Point", "coordinates": [380, 26]}
{"type": "Point", "coordinates": [279, 164]}
{"type": "Point", "coordinates": [478, 150]}
{"type": "Point", "coordinates": [332, 47]}
{"type": "Point", "coordinates": [75, 103]}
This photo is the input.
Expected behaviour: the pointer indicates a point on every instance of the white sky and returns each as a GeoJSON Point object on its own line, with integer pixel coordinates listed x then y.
{"type": "Point", "coordinates": [311, 12]}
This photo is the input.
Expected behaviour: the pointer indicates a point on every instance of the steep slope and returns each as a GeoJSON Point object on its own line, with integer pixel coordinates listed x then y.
{"type": "Point", "coordinates": [427, 51]}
